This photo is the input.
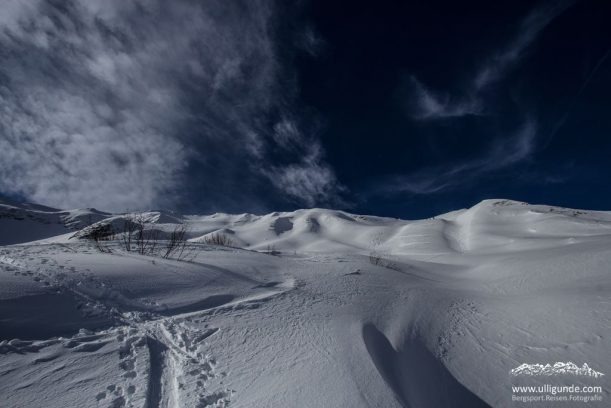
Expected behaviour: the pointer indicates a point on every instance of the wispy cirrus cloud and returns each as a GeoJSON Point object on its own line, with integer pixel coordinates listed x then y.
{"type": "Point", "coordinates": [501, 154]}
{"type": "Point", "coordinates": [310, 180]}
{"type": "Point", "coordinates": [506, 149]}
{"type": "Point", "coordinates": [429, 104]}
{"type": "Point", "coordinates": [124, 104]}
{"type": "Point", "coordinates": [502, 61]}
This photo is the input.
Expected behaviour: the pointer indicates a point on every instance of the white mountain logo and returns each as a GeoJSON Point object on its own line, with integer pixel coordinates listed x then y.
{"type": "Point", "coordinates": [558, 368]}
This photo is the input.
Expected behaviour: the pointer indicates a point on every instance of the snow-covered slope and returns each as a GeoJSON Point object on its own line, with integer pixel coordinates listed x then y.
{"type": "Point", "coordinates": [25, 222]}
{"type": "Point", "coordinates": [349, 310]}
{"type": "Point", "coordinates": [492, 226]}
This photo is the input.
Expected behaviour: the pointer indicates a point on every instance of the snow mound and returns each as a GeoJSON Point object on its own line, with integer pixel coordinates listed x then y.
{"type": "Point", "coordinates": [491, 226]}
{"type": "Point", "coordinates": [501, 225]}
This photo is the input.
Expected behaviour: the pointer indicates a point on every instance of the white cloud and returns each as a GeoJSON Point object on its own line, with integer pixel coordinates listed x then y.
{"type": "Point", "coordinates": [106, 102]}
{"type": "Point", "coordinates": [65, 153]}
{"type": "Point", "coordinates": [503, 60]}
{"type": "Point", "coordinates": [310, 41]}
{"type": "Point", "coordinates": [431, 105]}
{"type": "Point", "coordinates": [310, 180]}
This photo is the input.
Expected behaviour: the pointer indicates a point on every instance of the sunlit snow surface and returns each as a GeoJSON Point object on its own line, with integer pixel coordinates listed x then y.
{"type": "Point", "coordinates": [313, 308]}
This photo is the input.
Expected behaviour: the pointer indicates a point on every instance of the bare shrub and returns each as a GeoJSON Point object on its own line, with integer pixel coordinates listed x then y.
{"type": "Point", "coordinates": [375, 258]}
{"type": "Point", "coordinates": [271, 250]}
{"type": "Point", "coordinates": [128, 231]}
{"type": "Point", "coordinates": [137, 236]}
{"type": "Point", "coordinates": [218, 239]}
{"type": "Point", "coordinates": [98, 233]}
{"type": "Point", "coordinates": [176, 244]}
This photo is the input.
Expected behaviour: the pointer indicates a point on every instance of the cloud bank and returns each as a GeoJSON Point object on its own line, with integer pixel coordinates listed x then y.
{"type": "Point", "coordinates": [122, 104]}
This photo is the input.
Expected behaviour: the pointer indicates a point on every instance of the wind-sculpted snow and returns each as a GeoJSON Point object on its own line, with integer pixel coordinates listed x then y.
{"type": "Point", "coordinates": [414, 374]}
{"type": "Point", "coordinates": [491, 226]}
{"type": "Point", "coordinates": [312, 307]}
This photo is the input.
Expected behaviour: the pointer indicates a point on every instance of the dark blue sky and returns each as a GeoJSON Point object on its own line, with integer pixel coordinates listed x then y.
{"type": "Point", "coordinates": [559, 84]}
{"type": "Point", "coordinates": [398, 108]}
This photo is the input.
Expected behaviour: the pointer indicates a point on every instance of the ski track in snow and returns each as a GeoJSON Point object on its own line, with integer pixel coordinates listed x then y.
{"type": "Point", "coordinates": [170, 357]}
{"type": "Point", "coordinates": [173, 358]}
